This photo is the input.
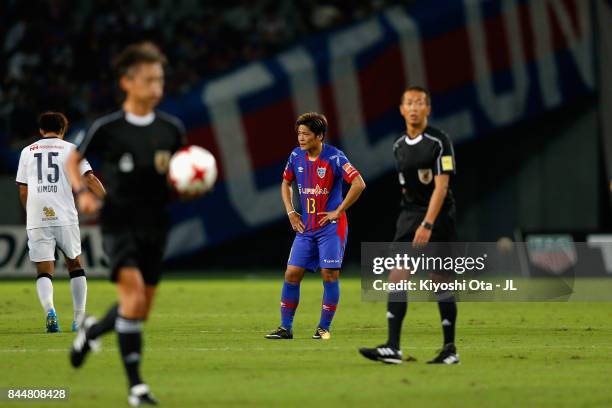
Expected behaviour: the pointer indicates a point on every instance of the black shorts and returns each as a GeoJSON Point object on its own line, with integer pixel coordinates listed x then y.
{"type": "Point", "coordinates": [408, 222]}
{"type": "Point", "coordinates": [141, 248]}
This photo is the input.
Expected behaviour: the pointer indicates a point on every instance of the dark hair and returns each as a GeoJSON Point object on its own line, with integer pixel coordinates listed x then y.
{"type": "Point", "coordinates": [53, 122]}
{"type": "Point", "coordinates": [145, 52]}
{"type": "Point", "coordinates": [417, 89]}
{"type": "Point", "coordinates": [316, 122]}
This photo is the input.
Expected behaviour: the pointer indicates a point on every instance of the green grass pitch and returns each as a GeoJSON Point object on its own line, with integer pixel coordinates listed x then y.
{"type": "Point", "coordinates": [205, 347]}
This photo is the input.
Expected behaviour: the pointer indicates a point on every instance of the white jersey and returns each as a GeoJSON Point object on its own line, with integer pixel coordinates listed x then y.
{"type": "Point", "coordinates": [42, 169]}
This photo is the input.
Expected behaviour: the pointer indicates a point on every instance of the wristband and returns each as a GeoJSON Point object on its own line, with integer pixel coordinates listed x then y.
{"type": "Point", "coordinates": [427, 225]}
{"type": "Point", "coordinates": [290, 212]}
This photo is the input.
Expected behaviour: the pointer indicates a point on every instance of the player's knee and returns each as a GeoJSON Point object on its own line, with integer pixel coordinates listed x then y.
{"type": "Point", "coordinates": [330, 275]}
{"type": "Point", "coordinates": [74, 264]}
{"type": "Point", "coordinates": [134, 306]}
{"type": "Point", "coordinates": [46, 267]}
{"type": "Point", "coordinates": [293, 275]}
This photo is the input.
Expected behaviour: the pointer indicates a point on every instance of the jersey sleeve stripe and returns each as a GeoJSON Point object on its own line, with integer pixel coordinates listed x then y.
{"type": "Point", "coordinates": [439, 159]}
{"type": "Point", "coordinates": [174, 121]}
{"type": "Point", "coordinates": [82, 147]}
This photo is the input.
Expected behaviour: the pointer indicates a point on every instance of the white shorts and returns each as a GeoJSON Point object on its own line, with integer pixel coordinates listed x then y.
{"type": "Point", "coordinates": [43, 241]}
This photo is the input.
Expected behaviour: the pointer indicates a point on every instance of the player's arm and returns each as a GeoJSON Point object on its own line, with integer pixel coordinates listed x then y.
{"type": "Point", "coordinates": [287, 195]}
{"type": "Point", "coordinates": [436, 202]}
{"type": "Point", "coordinates": [445, 166]}
{"type": "Point", "coordinates": [87, 202]}
{"type": "Point", "coordinates": [23, 195]}
{"type": "Point", "coordinates": [22, 181]}
{"type": "Point", "coordinates": [94, 185]}
{"type": "Point", "coordinates": [357, 187]}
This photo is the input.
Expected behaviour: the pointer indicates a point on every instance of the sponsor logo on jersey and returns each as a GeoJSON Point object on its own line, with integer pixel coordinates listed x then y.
{"type": "Point", "coordinates": [162, 161]}
{"type": "Point", "coordinates": [425, 175]}
{"type": "Point", "coordinates": [321, 171]}
{"type": "Point", "coordinates": [33, 147]}
{"type": "Point", "coordinates": [49, 214]}
{"type": "Point", "coordinates": [314, 191]}
{"type": "Point", "coordinates": [447, 163]}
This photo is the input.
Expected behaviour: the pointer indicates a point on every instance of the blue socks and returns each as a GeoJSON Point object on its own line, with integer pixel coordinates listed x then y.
{"type": "Point", "coordinates": [290, 298]}
{"type": "Point", "coordinates": [331, 296]}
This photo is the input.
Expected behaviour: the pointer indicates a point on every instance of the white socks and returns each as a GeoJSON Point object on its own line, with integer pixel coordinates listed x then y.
{"type": "Point", "coordinates": [78, 288]}
{"type": "Point", "coordinates": [44, 288]}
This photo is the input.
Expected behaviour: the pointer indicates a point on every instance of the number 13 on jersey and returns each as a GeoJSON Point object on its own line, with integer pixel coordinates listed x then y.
{"type": "Point", "coordinates": [310, 206]}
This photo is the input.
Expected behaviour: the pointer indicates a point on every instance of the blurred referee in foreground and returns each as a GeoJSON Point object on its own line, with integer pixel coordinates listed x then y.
{"type": "Point", "coordinates": [425, 160]}
{"type": "Point", "coordinates": [133, 147]}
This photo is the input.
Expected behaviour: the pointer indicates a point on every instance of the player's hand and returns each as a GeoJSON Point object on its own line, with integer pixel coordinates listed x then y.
{"type": "Point", "coordinates": [88, 203]}
{"type": "Point", "coordinates": [296, 222]}
{"type": "Point", "coordinates": [421, 237]}
{"type": "Point", "coordinates": [329, 216]}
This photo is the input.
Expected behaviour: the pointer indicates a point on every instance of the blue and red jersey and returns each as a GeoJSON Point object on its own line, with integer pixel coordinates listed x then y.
{"type": "Point", "coordinates": [319, 182]}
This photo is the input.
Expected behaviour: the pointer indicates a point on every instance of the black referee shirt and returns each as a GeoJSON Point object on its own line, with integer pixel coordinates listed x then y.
{"type": "Point", "coordinates": [133, 155]}
{"type": "Point", "coordinates": [417, 161]}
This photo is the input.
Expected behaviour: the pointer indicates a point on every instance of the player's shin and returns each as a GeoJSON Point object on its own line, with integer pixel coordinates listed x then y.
{"type": "Point", "coordinates": [129, 333]}
{"type": "Point", "coordinates": [331, 296]}
{"type": "Point", "coordinates": [448, 315]}
{"type": "Point", "coordinates": [290, 298]}
{"type": "Point", "coordinates": [397, 305]}
{"type": "Point", "coordinates": [44, 288]}
{"type": "Point", "coordinates": [78, 288]}
{"type": "Point", "coordinates": [106, 324]}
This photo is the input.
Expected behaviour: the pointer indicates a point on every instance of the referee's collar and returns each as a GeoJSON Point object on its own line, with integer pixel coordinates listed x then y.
{"type": "Point", "coordinates": [137, 120]}
{"type": "Point", "coordinates": [415, 140]}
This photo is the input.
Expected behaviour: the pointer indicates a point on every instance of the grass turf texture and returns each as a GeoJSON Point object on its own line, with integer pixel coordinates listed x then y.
{"type": "Point", "coordinates": [205, 347]}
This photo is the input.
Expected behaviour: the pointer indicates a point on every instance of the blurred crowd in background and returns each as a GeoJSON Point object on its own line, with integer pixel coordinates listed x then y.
{"type": "Point", "coordinates": [57, 53]}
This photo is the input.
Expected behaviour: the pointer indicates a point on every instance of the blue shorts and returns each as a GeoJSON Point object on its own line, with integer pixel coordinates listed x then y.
{"type": "Point", "coordinates": [323, 247]}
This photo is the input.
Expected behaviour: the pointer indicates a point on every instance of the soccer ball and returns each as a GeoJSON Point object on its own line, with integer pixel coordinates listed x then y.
{"type": "Point", "coordinates": [193, 170]}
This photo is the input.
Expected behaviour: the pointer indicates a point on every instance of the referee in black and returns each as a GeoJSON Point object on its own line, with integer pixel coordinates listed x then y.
{"type": "Point", "coordinates": [425, 161]}
{"type": "Point", "coordinates": [133, 147]}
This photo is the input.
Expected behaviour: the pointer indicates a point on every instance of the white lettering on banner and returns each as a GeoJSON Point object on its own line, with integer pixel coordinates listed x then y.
{"type": "Point", "coordinates": [15, 262]}
{"type": "Point", "coordinates": [509, 106]}
{"type": "Point", "coordinates": [222, 96]}
{"type": "Point", "coordinates": [184, 237]}
{"type": "Point", "coordinates": [410, 44]}
{"type": "Point", "coordinates": [460, 125]}
{"type": "Point", "coordinates": [344, 47]}
{"type": "Point", "coordinates": [543, 46]}
{"type": "Point", "coordinates": [302, 78]}
{"type": "Point", "coordinates": [581, 48]}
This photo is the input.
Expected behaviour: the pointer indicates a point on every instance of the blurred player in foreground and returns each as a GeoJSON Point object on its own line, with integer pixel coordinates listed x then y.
{"type": "Point", "coordinates": [318, 169]}
{"type": "Point", "coordinates": [133, 146]}
{"type": "Point", "coordinates": [52, 218]}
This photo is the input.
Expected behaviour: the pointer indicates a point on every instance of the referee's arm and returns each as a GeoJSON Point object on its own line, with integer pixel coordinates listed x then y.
{"type": "Point", "coordinates": [436, 201]}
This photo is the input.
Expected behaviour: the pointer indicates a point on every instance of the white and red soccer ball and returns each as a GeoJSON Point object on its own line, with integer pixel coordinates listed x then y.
{"type": "Point", "coordinates": [193, 170]}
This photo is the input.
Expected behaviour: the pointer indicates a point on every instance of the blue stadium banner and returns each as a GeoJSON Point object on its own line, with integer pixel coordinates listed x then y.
{"type": "Point", "coordinates": [488, 64]}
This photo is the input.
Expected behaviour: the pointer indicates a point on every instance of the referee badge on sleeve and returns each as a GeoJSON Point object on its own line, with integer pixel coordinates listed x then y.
{"type": "Point", "coordinates": [447, 163]}
{"type": "Point", "coordinates": [425, 176]}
